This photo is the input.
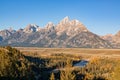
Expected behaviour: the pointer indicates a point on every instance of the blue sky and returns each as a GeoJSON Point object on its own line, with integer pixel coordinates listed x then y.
{"type": "Point", "coordinates": [99, 16]}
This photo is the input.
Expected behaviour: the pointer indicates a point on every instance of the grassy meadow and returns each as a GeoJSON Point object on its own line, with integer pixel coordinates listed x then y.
{"type": "Point", "coordinates": [113, 53]}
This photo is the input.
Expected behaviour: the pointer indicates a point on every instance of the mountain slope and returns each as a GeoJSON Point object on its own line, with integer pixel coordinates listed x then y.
{"type": "Point", "coordinates": [113, 39]}
{"type": "Point", "coordinates": [67, 33]}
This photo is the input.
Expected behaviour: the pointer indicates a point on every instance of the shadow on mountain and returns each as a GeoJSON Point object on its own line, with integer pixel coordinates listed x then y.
{"type": "Point", "coordinates": [1, 38]}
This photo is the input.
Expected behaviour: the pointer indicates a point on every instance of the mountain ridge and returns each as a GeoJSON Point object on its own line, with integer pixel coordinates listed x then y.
{"type": "Point", "coordinates": [113, 39]}
{"type": "Point", "coordinates": [67, 33]}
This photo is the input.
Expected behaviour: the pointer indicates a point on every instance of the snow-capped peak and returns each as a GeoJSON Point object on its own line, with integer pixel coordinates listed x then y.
{"type": "Point", "coordinates": [50, 25]}
{"type": "Point", "coordinates": [31, 28]}
{"type": "Point", "coordinates": [65, 20]}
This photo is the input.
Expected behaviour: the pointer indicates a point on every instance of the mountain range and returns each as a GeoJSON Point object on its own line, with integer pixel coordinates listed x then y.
{"type": "Point", "coordinates": [66, 34]}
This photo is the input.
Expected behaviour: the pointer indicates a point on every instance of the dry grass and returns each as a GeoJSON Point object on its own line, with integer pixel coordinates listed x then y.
{"type": "Point", "coordinates": [112, 53]}
{"type": "Point", "coordinates": [102, 62]}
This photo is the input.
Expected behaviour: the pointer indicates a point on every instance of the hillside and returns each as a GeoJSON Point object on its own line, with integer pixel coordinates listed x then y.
{"type": "Point", "coordinates": [14, 65]}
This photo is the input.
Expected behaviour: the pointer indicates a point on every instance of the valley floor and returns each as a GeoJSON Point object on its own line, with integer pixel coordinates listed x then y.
{"type": "Point", "coordinates": [33, 63]}
{"type": "Point", "coordinates": [85, 52]}
{"type": "Point", "coordinates": [97, 64]}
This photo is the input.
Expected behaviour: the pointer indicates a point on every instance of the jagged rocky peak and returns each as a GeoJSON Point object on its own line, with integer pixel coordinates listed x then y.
{"type": "Point", "coordinates": [108, 37]}
{"type": "Point", "coordinates": [5, 33]}
{"type": "Point", "coordinates": [50, 26]}
{"type": "Point", "coordinates": [11, 30]}
{"type": "Point", "coordinates": [65, 20]}
{"type": "Point", "coordinates": [20, 30]}
{"type": "Point", "coordinates": [78, 25]}
{"type": "Point", "coordinates": [75, 22]}
{"type": "Point", "coordinates": [113, 39]}
{"type": "Point", "coordinates": [117, 34]}
{"type": "Point", "coordinates": [31, 28]}
{"type": "Point", "coordinates": [68, 33]}
{"type": "Point", "coordinates": [116, 37]}
{"type": "Point", "coordinates": [70, 26]}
